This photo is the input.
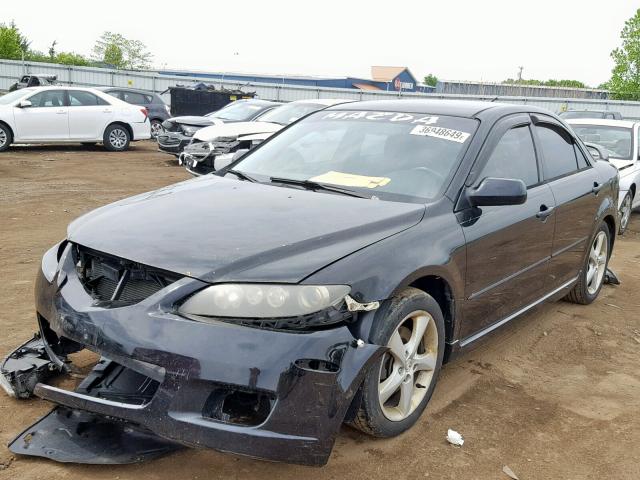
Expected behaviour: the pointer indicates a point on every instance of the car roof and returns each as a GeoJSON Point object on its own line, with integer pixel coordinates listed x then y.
{"type": "Point", "coordinates": [456, 108]}
{"type": "Point", "coordinates": [323, 101]}
{"type": "Point", "coordinates": [126, 89]}
{"type": "Point", "coordinates": [601, 121]}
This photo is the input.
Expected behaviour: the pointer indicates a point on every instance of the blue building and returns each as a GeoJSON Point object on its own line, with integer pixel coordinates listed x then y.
{"type": "Point", "coordinates": [393, 79]}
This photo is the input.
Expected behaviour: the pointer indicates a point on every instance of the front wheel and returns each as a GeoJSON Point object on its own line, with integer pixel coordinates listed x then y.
{"type": "Point", "coordinates": [116, 138]}
{"type": "Point", "coordinates": [625, 213]}
{"type": "Point", "coordinates": [5, 137]}
{"type": "Point", "coordinates": [398, 387]}
{"type": "Point", "coordinates": [594, 269]}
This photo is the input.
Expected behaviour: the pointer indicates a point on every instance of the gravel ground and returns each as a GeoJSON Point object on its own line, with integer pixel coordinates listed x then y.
{"type": "Point", "coordinates": [555, 394]}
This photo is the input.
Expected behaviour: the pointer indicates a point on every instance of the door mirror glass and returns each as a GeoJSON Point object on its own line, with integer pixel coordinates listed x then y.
{"type": "Point", "coordinates": [498, 191]}
{"type": "Point", "coordinates": [24, 104]}
{"type": "Point", "coordinates": [598, 152]}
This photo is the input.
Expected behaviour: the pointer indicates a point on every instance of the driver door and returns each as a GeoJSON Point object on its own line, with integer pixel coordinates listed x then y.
{"type": "Point", "coordinates": [509, 246]}
{"type": "Point", "coordinates": [47, 119]}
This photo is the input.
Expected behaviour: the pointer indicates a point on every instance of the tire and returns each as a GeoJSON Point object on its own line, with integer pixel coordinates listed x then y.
{"type": "Point", "coordinates": [116, 138]}
{"type": "Point", "coordinates": [625, 212]}
{"type": "Point", "coordinates": [585, 291]}
{"type": "Point", "coordinates": [398, 318]}
{"type": "Point", "coordinates": [5, 137]}
{"type": "Point", "coordinates": [156, 128]}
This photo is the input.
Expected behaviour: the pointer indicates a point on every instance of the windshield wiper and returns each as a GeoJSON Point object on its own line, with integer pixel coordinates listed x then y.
{"type": "Point", "coordinates": [242, 176]}
{"type": "Point", "coordinates": [315, 186]}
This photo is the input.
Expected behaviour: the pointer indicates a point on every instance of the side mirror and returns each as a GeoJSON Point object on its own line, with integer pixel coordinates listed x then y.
{"type": "Point", "coordinates": [25, 104]}
{"type": "Point", "coordinates": [498, 191]}
{"type": "Point", "coordinates": [598, 152]}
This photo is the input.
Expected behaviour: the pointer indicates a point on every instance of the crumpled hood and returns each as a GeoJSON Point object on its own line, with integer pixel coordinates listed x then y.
{"type": "Point", "coordinates": [218, 229]}
{"type": "Point", "coordinates": [196, 121]}
{"type": "Point", "coordinates": [210, 133]}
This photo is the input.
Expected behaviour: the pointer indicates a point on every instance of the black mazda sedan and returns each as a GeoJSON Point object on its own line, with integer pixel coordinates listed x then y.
{"type": "Point", "coordinates": [323, 278]}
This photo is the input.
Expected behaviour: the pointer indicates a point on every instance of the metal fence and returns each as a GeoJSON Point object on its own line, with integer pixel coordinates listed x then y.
{"type": "Point", "coordinates": [11, 70]}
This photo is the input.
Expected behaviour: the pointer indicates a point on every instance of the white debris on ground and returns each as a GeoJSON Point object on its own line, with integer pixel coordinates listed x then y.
{"type": "Point", "coordinates": [454, 438]}
{"type": "Point", "coordinates": [507, 471]}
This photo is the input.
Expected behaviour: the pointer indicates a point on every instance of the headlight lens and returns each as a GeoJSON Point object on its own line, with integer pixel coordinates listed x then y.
{"type": "Point", "coordinates": [189, 131]}
{"type": "Point", "coordinates": [263, 300]}
{"type": "Point", "coordinates": [50, 261]}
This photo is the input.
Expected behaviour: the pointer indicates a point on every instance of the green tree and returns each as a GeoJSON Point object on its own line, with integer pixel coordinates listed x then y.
{"type": "Point", "coordinates": [625, 77]}
{"type": "Point", "coordinates": [114, 49]}
{"type": "Point", "coordinates": [12, 43]}
{"type": "Point", "coordinates": [71, 58]}
{"type": "Point", "coordinates": [431, 80]}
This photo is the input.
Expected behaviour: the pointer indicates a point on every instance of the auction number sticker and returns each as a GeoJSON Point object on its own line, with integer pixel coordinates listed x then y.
{"type": "Point", "coordinates": [441, 132]}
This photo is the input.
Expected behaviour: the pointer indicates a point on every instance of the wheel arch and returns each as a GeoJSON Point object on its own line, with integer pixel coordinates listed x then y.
{"type": "Point", "coordinates": [611, 225]}
{"type": "Point", "coordinates": [441, 291]}
{"type": "Point", "coordinates": [124, 124]}
{"type": "Point", "coordinates": [5, 124]}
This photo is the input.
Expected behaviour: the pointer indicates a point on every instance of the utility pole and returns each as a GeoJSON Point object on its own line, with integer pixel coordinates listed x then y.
{"type": "Point", "coordinates": [520, 73]}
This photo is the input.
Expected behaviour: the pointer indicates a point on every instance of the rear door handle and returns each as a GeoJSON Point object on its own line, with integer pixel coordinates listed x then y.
{"type": "Point", "coordinates": [106, 110]}
{"type": "Point", "coordinates": [61, 112]}
{"type": "Point", "coordinates": [544, 212]}
{"type": "Point", "coordinates": [596, 188]}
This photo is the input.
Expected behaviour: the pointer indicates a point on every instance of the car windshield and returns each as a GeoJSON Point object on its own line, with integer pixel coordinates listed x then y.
{"type": "Point", "coordinates": [289, 113]}
{"type": "Point", "coordinates": [568, 115]}
{"type": "Point", "coordinates": [15, 95]}
{"type": "Point", "coordinates": [237, 111]}
{"type": "Point", "coordinates": [617, 140]}
{"type": "Point", "coordinates": [388, 155]}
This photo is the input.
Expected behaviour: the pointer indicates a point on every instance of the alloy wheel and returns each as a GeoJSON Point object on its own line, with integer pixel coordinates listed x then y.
{"type": "Point", "coordinates": [156, 129]}
{"type": "Point", "coordinates": [407, 369]}
{"type": "Point", "coordinates": [118, 138]}
{"type": "Point", "coordinates": [597, 262]}
{"type": "Point", "coordinates": [3, 138]}
{"type": "Point", "coordinates": [625, 212]}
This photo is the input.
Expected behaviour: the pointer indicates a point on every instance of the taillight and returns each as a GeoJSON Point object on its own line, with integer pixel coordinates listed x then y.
{"type": "Point", "coordinates": [145, 112]}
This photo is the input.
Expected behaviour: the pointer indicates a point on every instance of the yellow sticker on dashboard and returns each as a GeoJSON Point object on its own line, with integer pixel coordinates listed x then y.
{"type": "Point", "coordinates": [351, 180]}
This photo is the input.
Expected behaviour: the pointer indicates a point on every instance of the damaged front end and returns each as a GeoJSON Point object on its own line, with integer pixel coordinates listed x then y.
{"type": "Point", "coordinates": [270, 390]}
{"type": "Point", "coordinates": [201, 158]}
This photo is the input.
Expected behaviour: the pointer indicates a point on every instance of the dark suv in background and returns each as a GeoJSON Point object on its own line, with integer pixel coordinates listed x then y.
{"type": "Point", "coordinates": [158, 110]}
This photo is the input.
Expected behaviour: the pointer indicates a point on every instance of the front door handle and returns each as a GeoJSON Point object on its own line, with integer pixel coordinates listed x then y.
{"type": "Point", "coordinates": [61, 112]}
{"type": "Point", "coordinates": [596, 188]}
{"type": "Point", "coordinates": [544, 212]}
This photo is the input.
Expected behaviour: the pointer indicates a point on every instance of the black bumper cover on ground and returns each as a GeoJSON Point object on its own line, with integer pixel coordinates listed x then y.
{"type": "Point", "coordinates": [311, 378]}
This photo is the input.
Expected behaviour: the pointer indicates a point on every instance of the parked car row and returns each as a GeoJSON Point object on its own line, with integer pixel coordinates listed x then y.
{"type": "Point", "coordinates": [322, 278]}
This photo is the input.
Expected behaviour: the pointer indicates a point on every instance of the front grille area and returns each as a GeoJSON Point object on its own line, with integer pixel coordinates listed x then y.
{"type": "Point", "coordinates": [114, 281]}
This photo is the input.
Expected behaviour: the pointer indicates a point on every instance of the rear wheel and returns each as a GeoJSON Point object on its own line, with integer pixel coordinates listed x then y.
{"type": "Point", "coordinates": [116, 138]}
{"type": "Point", "coordinates": [625, 212]}
{"type": "Point", "coordinates": [593, 272]}
{"type": "Point", "coordinates": [398, 387]}
{"type": "Point", "coordinates": [5, 137]}
{"type": "Point", "coordinates": [156, 128]}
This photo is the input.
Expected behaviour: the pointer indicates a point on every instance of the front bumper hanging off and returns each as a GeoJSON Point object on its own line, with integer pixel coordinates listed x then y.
{"type": "Point", "coordinates": [164, 381]}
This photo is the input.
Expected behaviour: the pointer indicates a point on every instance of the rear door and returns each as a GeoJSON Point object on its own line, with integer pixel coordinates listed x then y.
{"type": "Point", "coordinates": [88, 115]}
{"type": "Point", "coordinates": [508, 247]}
{"type": "Point", "coordinates": [575, 187]}
{"type": "Point", "coordinates": [47, 119]}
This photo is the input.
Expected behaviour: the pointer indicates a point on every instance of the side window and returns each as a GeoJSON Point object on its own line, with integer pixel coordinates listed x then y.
{"type": "Point", "coordinates": [115, 93]}
{"type": "Point", "coordinates": [513, 157]}
{"type": "Point", "coordinates": [48, 98]}
{"type": "Point", "coordinates": [558, 151]}
{"type": "Point", "coordinates": [133, 98]}
{"type": "Point", "coordinates": [80, 98]}
{"type": "Point", "coordinates": [582, 160]}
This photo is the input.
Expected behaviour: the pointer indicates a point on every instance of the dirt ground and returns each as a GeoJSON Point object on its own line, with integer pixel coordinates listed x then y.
{"type": "Point", "coordinates": [555, 394]}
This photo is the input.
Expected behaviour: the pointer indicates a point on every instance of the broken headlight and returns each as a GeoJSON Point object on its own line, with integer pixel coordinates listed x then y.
{"type": "Point", "coordinates": [189, 131]}
{"type": "Point", "coordinates": [263, 300]}
{"type": "Point", "coordinates": [51, 259]}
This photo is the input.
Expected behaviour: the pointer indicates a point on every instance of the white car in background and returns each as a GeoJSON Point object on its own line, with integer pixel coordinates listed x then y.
{"type": "Point", "coordinates": [69, 115]}
{"type": "Point", "coordinates": [621, 140]}
{"type": "Point", "coordinates": [214, 147]}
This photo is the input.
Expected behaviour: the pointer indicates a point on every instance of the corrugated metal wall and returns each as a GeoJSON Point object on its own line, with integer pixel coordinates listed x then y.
{"type": "Point", "coordinates": [500, 89]}
{"type": "Point", "coordinates": [11, 70]}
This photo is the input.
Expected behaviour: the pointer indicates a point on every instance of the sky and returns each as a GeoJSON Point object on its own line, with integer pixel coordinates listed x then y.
{"type": "Point", "coordinates": [454, 39]}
